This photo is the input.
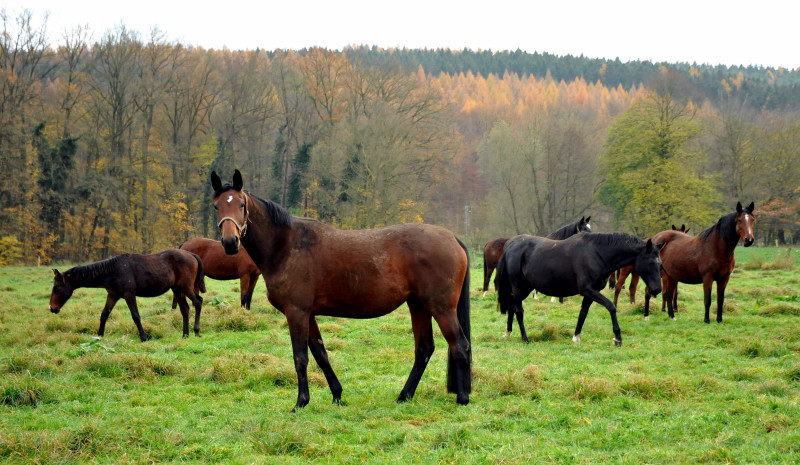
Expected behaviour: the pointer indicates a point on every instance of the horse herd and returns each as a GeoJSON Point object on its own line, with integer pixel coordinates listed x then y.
{"type": "Point", "coordinates": [311, 269]}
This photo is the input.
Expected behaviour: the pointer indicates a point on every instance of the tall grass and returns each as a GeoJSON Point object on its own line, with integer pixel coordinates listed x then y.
{"type": "Point", "coordinates": [676, 392]}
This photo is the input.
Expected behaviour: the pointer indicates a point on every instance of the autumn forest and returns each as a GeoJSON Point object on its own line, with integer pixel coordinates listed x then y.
{"type": "Point", "coordinates": [106, 145]}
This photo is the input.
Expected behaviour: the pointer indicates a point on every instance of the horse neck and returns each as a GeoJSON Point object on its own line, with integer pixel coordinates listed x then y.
{"type": "Point", "coordinates": [91, 275]}
{"type": "Point", "coordinates": [620, 256]}
{"type": "Point", "coordinates": [723, 235]}
{"type": "Point", "coordinates": [265, 241]}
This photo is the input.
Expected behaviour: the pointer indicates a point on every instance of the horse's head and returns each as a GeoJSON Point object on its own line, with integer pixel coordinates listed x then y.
{"type": "Point", "coordinates": [745, 223]}
{"type": "Point", "coordinates": [583, 225]}
{"type": "Point", "coordinates": [648, 266]}
{"type": "Point", "coordinates": [62, 291]}
{"type": "Point", "coordinates": [230, 202]}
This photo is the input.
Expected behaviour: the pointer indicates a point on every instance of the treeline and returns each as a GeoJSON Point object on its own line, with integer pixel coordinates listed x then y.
{"type": "Point", "coordinates": [107, 146]}
{"type": "Point", "coordinates": [762, 87]}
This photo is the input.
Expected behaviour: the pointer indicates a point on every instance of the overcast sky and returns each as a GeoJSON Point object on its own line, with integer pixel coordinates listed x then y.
{"type": "Point", "coordinates": [729, 32]}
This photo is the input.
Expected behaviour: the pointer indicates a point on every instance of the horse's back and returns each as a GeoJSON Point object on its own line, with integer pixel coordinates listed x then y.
{"type": "Point", "coordinates": [216, 263]}
{"type": "Point", "coordinates": [368, 273]}
{"type": "Point", "coordinates": [682, 255]}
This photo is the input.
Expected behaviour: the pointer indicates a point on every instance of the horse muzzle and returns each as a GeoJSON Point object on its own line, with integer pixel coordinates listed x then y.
{"type": "Point", "coordinates": [654, 292]}
{"type": "Point", "coordinates": [748, 241]}
{"type": "Point", "coordinates": [231, 245]}
{"type": "Point", "coordinates": [54, 309]}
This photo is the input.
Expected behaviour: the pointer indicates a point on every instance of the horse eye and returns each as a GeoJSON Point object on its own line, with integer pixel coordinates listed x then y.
{"type": "Point", "coordinates": [216, 207]}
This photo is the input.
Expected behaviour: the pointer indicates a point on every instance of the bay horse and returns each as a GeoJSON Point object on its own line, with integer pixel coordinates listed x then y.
{"type": "Point", "coordinates": [624, 272]}
{"type": "Point", "coordinates": [493, 249]}
{"type": "Point", "coordinates": [579, 265]}
{"type": "Point", "coordinates": [219, 265]}
{"type": "Point", "coordinates": [312, 269]}
{"type": "Point", "coordinates": [131, 275]}
{"type": "Point", "coordinates": [705, 258]}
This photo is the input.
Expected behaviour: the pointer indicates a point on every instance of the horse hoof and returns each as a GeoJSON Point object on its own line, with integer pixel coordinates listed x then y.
{"type": "Point", "coordinates": [462, 400]}
{"type": "Point", "coordinates": [576, 339]}
{"type": "Point", "coordinates": [617, 342]}
{"type": "Point", "coordinates": [484, 293]}
{"type": "Point", "coordinates": [508, 333]}
{"type": "Point", "coordinates": [647, 318]}
{"type": "Point", "coordinates": [672, 318]}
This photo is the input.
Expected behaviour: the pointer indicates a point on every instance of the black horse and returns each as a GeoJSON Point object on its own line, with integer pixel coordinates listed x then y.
{"type": "Point", "coordinates": [580, 264]}
{"type": "Point", "coordinates": [493, 249]}
{"type": "Point", "coordinates": [130, 275]}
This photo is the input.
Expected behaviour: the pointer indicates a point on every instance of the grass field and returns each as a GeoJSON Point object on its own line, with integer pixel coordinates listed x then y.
{"type": "Point", "coordinates": [676, 392]}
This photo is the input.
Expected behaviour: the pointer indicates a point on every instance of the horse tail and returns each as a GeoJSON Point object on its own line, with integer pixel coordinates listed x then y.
{"type": "Point", "coordinates": [200, 277]}
{"type": "Point", "coordinates": [462, 313]}
{"type": "Point", "coordinates": [503, 285]}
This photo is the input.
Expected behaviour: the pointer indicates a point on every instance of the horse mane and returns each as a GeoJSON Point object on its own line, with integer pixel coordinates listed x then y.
{"type": "Point", "coordinates": [613, 239]}
{"type": "Point", "coordinates": [726, 226]}
{"type": "Point", "coordinates": [565, 231]}
{"type": "Point", "coordinates": [279, 215]}
{"type": "Point", "coordinates": [90, 272]}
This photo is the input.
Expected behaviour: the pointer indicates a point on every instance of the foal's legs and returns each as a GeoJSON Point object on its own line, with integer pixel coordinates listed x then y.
{"type": "Point", "coordinates": [184, 307]}
{"type": "Point", "coordinates": [130, 299]}
{"type": "Point", "coordinates": [321, 356]}
{"type": "Point", "coordinates": [424, 347]}
{"type": "Point", "coordinates": [670, 287]}
{"type": "Point", "coordinates": [110, 302]}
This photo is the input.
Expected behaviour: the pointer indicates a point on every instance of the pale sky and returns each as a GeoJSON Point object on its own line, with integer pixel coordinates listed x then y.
{"type": "Point", "coordinates": [732, 32]}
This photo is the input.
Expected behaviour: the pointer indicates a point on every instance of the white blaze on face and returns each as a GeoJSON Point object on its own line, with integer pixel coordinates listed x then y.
{"type": "Point", "coordinates": [230, 198]}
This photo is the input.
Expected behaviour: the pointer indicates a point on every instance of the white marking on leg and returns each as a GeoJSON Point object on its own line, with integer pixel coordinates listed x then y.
{"type": "Point", "coordinates": [576, 338]}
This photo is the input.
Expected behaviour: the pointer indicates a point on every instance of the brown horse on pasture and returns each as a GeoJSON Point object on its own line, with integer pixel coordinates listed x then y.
{"type": "Point", "coordinates": [623, 273]}
{"type": "Point", "coordinates": [705, 258]}
{"type": "Point", "coordinates": [221, 266]}
{"type": "Point", "coordinates": [131, 275]}
{"type": "Point", "coordinates": [313, 269]}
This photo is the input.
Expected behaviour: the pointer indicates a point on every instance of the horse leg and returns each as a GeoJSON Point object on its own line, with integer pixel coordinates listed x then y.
{"type": "Point", "coordinates": [596, 296]}
{"type": "Point", "coordinates": [177, 296]}
{"type": "Point", "coordinates": [298, 321]}
{"type": "Point", "coordinates": [487, 274]}
{"type": "Point", "coordinates": [647, 297]}
{"type": "Point", "coordinates": [244, 284]}
{"type": "Point", "coordinates": [130, 299]}
{"type": "Point", "coordinates": [632, 288]}
{"type": "Point", "coordinates": [510, 323]}
{"type": "Point", "coordinates": [251, 288]}
{"type": "Point", "coordinates": [518, 310]}
{"type": "Point", "coordinates": [317, 348]}
{"type": "Point", "coordinates": [110, 302]}
{"type": "Point", "coordinates": [460, 353]}
{"type": "Point", "coordinates": [707, 281]}
{"type": "Point", "coordinates": [669, 287]}
{"type": "Point", "coordinates": [424, 347]}
{"type": "Point", "coordinates": [721, 285]}
{"type": "Point", "coordinates": [197, 302]}
{"type": "Point", "coordinates": [581, 317]}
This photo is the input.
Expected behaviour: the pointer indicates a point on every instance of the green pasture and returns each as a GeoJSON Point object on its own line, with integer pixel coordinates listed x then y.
{"type": "Point", "coordinates": [676, 392]}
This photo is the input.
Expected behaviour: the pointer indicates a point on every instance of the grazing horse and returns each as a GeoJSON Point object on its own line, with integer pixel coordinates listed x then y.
{"type": "Point", "coordinates": [705, 258]}
{"type": "Point", "coordinates": [313, 269]}
{"type": "Point", "coordinates": [624, 272]}
{"type": "Point", "coordinates": [130, 275]}
{"type": "Point", "coordinates": [580, 264]}
{"type": "Point", "coordinates": [493, 249]}
{"type": "Point", "coordinates": [219, 265]}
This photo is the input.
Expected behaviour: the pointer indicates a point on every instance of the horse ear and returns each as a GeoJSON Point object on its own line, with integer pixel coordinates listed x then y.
{"type": "Point", "coordinates": [738, 207]}
{"type": "Point", "coordinates": [59, 276]}
{"type": "Point", "coordinates": [216, 183]}
{"type": "Point", "coordinates": [649, 246]}
{"type": "Point", "coordinates": [751, 207]}
{"type": "Point", "coordinates": [674, 228]}
{"type": "Point", "coordinates": [237, 180]}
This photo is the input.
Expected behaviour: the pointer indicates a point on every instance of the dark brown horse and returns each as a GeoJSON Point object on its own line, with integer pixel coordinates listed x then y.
{"type": "Point", "coordinates": [313, 269]}
{"type": "Point", "coordinates": [221, 266]}
{"type": "Point", "coordinates": [493, 249]}
{"type": "Point", "coordinates": [130, 275]}
{"type": "Point", "coordinates": [623, 273]}
{"type": "Point", "coordinates": [705, 258]}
